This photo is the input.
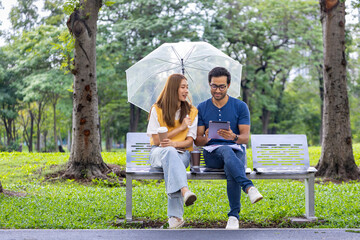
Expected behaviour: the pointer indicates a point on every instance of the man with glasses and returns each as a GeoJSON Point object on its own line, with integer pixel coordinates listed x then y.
{"type": "Point", "coordinates": [227, 153]}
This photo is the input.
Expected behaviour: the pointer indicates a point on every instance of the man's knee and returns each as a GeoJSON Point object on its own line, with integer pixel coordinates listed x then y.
{"type": "Point", "coordinates": [226, 151]}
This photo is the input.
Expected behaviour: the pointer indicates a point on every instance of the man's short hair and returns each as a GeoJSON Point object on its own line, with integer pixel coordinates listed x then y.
{"type": "Point", "coordinates": [219, 72]}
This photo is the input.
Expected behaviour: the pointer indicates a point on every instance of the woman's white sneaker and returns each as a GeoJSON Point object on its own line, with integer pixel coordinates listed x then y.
{"type": "Point", "coordinates": [254, 195]}
{"type": "Point", "coordinates": [232, 224]}
{"type": "Point", "coordinates": [189, 198]}
{"type": "Point", "coordinates": [175, 222]}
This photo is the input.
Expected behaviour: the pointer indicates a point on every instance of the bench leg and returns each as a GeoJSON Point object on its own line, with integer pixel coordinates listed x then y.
{"type": "Point", "coordinates": [128, 198]}
{"type": "Point", "coordinates": [310, 198]}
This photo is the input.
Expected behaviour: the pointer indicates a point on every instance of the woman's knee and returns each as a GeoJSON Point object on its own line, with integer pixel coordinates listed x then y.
{"type": "Point", "coordinates": [168, 150]}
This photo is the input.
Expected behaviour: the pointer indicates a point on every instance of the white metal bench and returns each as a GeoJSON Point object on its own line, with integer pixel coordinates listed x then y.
{"type": "Point", "coordinates": [274, 157]}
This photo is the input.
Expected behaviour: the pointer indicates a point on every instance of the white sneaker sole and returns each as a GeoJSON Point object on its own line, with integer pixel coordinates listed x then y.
{"type": "Point", "coordinates": [190, 200]}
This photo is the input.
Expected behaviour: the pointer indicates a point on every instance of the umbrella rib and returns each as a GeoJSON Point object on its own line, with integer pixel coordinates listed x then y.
{"type": "Point", "coordinates": [167, 61]}
{"type": "Point", "coordinates": [197, 91]}
{"type": "Point", "coordinates": [197, 68]}
{"type": "Point", "coordinates": [189, 75]}
{"type": "Point", "coordinates": [200, 59]}
{"type": "Point", "coordinates": [151, 76]}
{"type": "Point", "coordinates": [176, 53]}
{"type": "Point", "coordinates": [188, 54]}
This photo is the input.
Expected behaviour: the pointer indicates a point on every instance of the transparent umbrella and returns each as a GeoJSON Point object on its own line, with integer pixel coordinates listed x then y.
{"type": "Point", "coordinates": [146, 78]}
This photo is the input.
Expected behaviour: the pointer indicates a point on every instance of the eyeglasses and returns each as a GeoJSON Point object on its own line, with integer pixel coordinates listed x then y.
{"type": "Point", "coordinates": [221, 87]}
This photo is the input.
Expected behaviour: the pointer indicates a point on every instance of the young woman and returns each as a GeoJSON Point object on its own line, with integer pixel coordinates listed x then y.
{"type": "Point", "coordinates": [173, 111]}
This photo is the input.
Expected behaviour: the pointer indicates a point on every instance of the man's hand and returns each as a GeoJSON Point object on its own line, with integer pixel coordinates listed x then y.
{"type": "Point", "coordinates": [227, 134]}
{"type": "Point", "coordinates": [207, 135]}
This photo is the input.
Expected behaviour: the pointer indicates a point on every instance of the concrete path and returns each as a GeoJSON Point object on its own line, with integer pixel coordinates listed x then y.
{"type": "Point", "coordinates": [188, 234]}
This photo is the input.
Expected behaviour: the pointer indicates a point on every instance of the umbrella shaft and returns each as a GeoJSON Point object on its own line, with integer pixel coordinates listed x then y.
{"type": "Point", "coordinates": [182, 67]}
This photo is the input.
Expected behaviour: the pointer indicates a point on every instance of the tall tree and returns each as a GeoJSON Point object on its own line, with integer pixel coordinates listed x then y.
{"type": "Point", "coordinates": [85, 159]}
{"type": "Point", "coordinates": [1, 188]}
{"type": "Point", "coordinates": [337, 159]}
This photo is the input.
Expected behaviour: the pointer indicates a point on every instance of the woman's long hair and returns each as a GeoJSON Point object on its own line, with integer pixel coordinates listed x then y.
{"type": "Point", "coordinates": [169, 98]}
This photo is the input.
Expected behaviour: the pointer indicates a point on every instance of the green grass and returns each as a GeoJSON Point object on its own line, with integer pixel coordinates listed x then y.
{"type": "Point", "coordinates": [68, 204]}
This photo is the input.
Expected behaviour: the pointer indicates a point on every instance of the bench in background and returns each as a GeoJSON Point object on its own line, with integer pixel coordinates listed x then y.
{"type": "Point", "coordinates": [274, 157]}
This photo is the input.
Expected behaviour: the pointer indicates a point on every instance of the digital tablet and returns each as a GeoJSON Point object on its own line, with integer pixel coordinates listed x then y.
{"type": "Point", "coordinates": [214, 126]}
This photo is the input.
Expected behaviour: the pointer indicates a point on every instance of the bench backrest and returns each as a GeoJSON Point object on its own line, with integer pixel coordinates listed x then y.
{"type": "Point", "coordinates": [274, 152]}
{"type": "Point", "coordinates": [138, 149]}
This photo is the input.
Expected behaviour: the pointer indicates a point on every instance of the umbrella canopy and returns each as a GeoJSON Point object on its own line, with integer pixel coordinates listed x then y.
{"type": "Point", "coordinates": [146, 78]}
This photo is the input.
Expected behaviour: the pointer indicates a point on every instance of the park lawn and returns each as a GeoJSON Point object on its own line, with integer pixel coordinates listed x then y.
{"type": "Point", "coordinates": [70, 205]}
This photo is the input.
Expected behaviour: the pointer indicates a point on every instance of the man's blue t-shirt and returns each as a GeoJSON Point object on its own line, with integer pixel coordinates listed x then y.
{"type": "Point", "coordinates": [235, 111]}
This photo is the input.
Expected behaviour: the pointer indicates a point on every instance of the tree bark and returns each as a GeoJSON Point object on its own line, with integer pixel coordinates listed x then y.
{"type": "Point", "coordinates": [8, 128]}
{"type": "Point", "coordinates": [69, 140]}
{"type": "Point", "coordinates": [30, 144]}
{"type": "Point", "coordinates": [28, 137]}
{"type": "Point", "coordinates": [134, 117]}
{"type": "Point", "coordinates": [337, 159]}
{"type": "Point", "coordinates": [55, 133]}
{"type": "Point", "coordinates": [321, 92]}
{"type": "Point", "coordinates": [39, 119]}
{"type": "Point", "coordinates": [1, 188]}
{"type": "Point", "coordinates": [265, 119]}
{"type": "Point", "coordinates": [85, 158]}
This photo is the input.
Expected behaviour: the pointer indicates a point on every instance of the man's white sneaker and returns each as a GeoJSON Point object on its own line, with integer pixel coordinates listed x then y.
{"type": "Point", "coordinates": [232, 224]}
{"type": "Point", "coordinates": [254, 195]}
{"type": "Point", "coordinates": [189, 198]}
{"type": "Point", "coordinates": [175, 222]}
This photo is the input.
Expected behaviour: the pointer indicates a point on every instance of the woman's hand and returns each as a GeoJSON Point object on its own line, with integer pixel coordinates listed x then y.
{"type": "Point", "coordinates": [185, 123]}
{"type": "Point", "coordinates": [167, 143]}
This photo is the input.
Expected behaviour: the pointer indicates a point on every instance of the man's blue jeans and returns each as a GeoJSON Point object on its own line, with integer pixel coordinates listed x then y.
{"type": "Point", "coordinates": [233, 163]}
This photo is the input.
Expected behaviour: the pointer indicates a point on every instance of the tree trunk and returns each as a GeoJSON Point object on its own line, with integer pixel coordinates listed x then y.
{"type": "Point", "coordinates": [30, 144]}
{"type": "Point", "coordinates": [109, 140]}
{"type": "Point", "coordinates": [1, 188]}
{"type": "Point", "coordinates": [134, 117]}
{"type": "Point", "coordinates": [85, 158]}
{"type": "Point", "coordinates": [337, 159]}
{"type": "Point", "coordinates": [69, 140]}
{"type": "Point", "coordinates": [245, 91]}
{"type": "Point", "coordinates": [38, 130]}
{"type": "Point", "coordinates": [45, 135]}
{"type": "Point", "coordinates": [55, 133]}
{"type": "Point", "coordinates": [8, 128]}
{"type": "Point", "coordinates": [265, 119]}
{"type": "Point", "coordinates": [321, 92]}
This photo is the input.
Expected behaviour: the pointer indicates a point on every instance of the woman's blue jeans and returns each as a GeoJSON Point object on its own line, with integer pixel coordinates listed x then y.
{"type": "Point", "coordinates": [233, 162]}
{"type": "Point", "coordinates": [174, 165]}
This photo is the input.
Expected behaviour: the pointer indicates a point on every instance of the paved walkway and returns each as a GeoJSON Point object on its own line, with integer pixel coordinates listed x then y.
{"type": "Point", "coordinates": [188, 234]}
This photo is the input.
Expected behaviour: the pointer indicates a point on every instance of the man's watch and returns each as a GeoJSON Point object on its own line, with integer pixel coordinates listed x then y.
{"type": "Point", "coordinates": [236, 138]}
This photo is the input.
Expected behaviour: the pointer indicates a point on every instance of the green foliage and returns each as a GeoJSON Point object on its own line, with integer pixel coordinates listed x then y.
{"type": "Point", "coordinates": [271, 38]}
{"type": "Point", "coordinates": [109, 3]}
{"type": "Point", "coordinates": [70, 6]}
{"type": "Point", "coordinates": [279, 43]}
{"type": "Point", "coordinates": [24, 15]}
